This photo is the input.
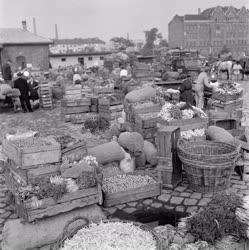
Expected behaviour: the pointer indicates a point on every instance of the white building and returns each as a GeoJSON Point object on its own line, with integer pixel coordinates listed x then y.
{"type": "Point", "coordinates": [87, 59]}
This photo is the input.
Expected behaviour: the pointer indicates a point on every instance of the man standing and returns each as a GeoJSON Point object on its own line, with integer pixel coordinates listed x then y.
{"type": "Point", "coordinates": [201, 81]}
{"type": "Point", "coordinates": [22, 84]}
{"type": "Point", "coordinates": [33, 89]}
{"type": "Point", "coordinates": [7, 72]}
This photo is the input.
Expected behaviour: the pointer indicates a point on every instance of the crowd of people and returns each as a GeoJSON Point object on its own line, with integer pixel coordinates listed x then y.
{"type": "Point", "coordinates": [18, 88]}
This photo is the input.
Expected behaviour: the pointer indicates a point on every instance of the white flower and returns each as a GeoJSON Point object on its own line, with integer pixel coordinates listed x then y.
{"type": "Point", "coordinates": [57, 180]}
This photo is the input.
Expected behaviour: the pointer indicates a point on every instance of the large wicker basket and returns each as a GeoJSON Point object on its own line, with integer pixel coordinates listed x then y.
{"type": "Point", "coordinates": [208, 164]}
{"type": "Point", "coordinates": [69, 233]}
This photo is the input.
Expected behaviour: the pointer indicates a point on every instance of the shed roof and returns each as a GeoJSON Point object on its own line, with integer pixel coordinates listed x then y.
{"type": "Point", "coordinates": [20, 36]}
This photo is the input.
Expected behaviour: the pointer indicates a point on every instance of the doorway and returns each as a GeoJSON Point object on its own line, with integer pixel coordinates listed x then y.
{"type": "Point", "coordinates": [21, 62]}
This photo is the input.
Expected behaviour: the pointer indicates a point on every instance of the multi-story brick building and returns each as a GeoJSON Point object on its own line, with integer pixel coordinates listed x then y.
{"type": "Point", "coordinates": [209, 31]}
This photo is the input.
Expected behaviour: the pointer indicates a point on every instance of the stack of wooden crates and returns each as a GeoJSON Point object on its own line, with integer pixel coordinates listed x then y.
{"type": "Point", "coordinates": [46, 95]}
{"type": "Point", "coordinates": [226, 112]}
{"type": "Point", "coordinates": [26, 166]}
{"type": "Point", "coordinates": [169, 165]}
{"type": "Point", "coordinates": [142, 118]}
{"type": "Point", "coordinates": [73, 105]}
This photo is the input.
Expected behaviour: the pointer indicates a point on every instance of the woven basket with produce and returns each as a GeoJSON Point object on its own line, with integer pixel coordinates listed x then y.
{"type": "Point", "coordinates": [226, 92]}
{"type": "Point", "coordinates": [108, 234]}
{"type": "Point", "coordinates": [208, 164]}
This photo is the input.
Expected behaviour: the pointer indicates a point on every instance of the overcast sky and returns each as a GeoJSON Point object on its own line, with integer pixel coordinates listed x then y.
{"type": "Point", "coordinates": [101, 18]}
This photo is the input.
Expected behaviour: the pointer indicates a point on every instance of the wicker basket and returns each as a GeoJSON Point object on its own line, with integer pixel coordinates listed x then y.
{"type": "Point", "coordinates": [208, 165]}
{"type": "Point", "coordinates": [67, 233]}
{"type": "Point", "coordinates": [225, 97]}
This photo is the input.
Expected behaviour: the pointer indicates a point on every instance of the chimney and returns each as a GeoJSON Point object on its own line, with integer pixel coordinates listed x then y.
{"type": "Point", "coordinates": [56, 32]}
{"type": "Point", "coordinates": [24, 25]}
{"type": "Point", "coordinates": [34, 26]}
{"type": "Point", "coordinates": [199, 11]}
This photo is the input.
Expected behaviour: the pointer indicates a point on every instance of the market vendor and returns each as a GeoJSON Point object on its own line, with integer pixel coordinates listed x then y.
{"type": "Point", "coordinates": [202, 80]}
{"type": "Point", "coordinates": [186, 93]}
{"type": "Point", "coordinates": [76, 77]}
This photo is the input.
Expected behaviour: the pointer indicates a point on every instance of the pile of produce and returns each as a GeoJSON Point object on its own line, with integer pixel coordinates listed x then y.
{"type": "Point", "coordinates": [111, 235]}
{"type": "Point", "coordinates": [170, 112]}
{"type": "Point", "coordinates": [225, 215]}
{"type": "Point", "coordinates": [74, 176]}
{"type": "Point", "coordinates": [193, 133]}
{"type": "Point", "coordinates": [119, 183]}
{"type": "Point", "coordinates": [229, 88]}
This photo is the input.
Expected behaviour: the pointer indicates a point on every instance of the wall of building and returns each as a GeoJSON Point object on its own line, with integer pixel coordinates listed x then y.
{"type": "Point", "coordinates": [176, 33]}
{"type": "Point", "coordinates": [37, 55]}
{"type": "Point", "coordinates": [64, 61]}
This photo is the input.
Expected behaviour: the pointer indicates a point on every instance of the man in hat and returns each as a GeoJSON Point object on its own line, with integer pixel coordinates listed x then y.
{"type": "Point", "coordinates": [202, 80]}
{"type": "Point", "coordinates": [22, 84]}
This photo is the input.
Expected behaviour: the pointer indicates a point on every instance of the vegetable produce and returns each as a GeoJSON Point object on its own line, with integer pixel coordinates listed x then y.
{"type": "Point", "coordinates": [214, 133]}
{"type": "Point", "coordinates": [132, 141]}
{"type": "Point", "coordinates": [229, 88]}
{"type": "Point", "coordinates": [119, 183]}
{"type": "Point", "coordinates": [193, 133]}
{"type": "Point", "coordinates": [111, 235]}
{"type": "Point", "coordinates": [30, 142]}
{"type": "Point", "coordinates": [150, 153]}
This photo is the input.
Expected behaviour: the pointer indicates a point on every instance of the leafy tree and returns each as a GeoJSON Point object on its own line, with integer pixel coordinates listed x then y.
{"type": "Point", "coordinates": [150, 37]}
{"type": "Point", "coordinates": [163, 43]}
{"type": "Point", "coordinates": [122, 43]}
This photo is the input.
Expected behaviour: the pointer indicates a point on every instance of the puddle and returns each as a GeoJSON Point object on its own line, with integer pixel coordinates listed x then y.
{"type": "Point", "coordinates": [152, 217]}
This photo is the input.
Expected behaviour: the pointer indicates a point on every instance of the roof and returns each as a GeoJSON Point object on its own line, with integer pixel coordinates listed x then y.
{"type": "Point", "coordinates": [96, 53]}
{"type": "Point", "coordinates": [209, 11]}
{"type": "Point", "coordinates": [195, 18]}
{"type": "Point", "coordinates": [20, 36]}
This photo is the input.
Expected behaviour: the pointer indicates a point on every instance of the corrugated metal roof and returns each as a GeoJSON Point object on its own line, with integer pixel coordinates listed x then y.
{"type": "Point", "coordinates": [195, 17]}
{"type": "Point", "coordinates": [96, 53]}
{"type": "Point", "coordinates": [19, 36]}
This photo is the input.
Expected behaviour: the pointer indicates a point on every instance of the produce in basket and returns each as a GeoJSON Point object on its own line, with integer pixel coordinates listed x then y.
{"type": "Point", "coordinates": [193, 133]}
{"type": "Point", "coordinates": [150, 153]}
{"type": "Point", "coordinates": [112, 235]}
{"type": "Point", "coordinates": [119, 183]}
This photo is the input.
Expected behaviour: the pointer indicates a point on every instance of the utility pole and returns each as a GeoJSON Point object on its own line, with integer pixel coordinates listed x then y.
{"type": "Point", "coordinates": [56, 32]}
{"type": "Point", "coordinates": [34, 26]}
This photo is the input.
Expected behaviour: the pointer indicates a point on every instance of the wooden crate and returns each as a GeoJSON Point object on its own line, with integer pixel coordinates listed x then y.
{"type": "Point", "coordinates": [146, 120]}
{"type": "Point", "coordinates": [15, 177]}
{"type": "Point", "coordinates": [229, 106]}
{"type": "Point", "coordinates": [76, 102]}
{"type": "Point", "coordinates": [185, 124]}
{"type": "Point", "coordinates": [103, 90]}
{"type": "Point", "coordinates": [28, 157]}
{"type": "Point", "coordinates": [77, 147]}
{"type": "Point", "coordinates": [166, 140]}
{"type": "Point", "coordinates": [135, 194]}
{"type": "Point", "coordinates": [73, 92]}
{"type": "Point", "coordinates": [170, 172]}
{"type": "Point", "coordinates": [227, 124]}
{"type": "Point", "coordinates": [75, 110]}
{"type": "Point", "coordinates": [50, 207]}
{"type": "Point", "coordinates": [146, 133]}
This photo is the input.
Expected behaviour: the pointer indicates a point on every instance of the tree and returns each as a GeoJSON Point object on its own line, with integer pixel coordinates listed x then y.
{"type": "Point", "coordinates": [150, 37]}
{"type": "Point", "coordinates": [122, 43]}
{"type": "Point", "coordinates": [163, 43]}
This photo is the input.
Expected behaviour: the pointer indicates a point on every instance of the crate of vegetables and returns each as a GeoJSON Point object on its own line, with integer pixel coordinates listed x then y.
{"type": "Point", "coordinates": [145, 107]}
{"type": "Point", "coordinates": [103, 89]}
{"type": "Point", "coordinates": [76, 187]}
{"type": "Point", "coordinates": [184, 116]}
{"type": "Point", "coordinates": [32, 151]}
{"type": "Point", "coordinates": [125, 188]}
{"type": "Point", "coordinates": [148, 120]}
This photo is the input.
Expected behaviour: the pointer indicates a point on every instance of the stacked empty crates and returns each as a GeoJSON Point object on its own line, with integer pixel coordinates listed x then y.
{"type": "Point", "coordinates": [142, 118]}
{"type": "Point", "coordinates": [169, 165]}
{"type": "Point", "coordinates": [73, 105]}
{"type": "Point", "coordinates": [110, 106]}
{"type": "Point", "coordinates": [46, 95]}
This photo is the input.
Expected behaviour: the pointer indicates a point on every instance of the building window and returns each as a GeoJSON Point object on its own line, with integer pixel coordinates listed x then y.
{"type": "Point", "coordinates": [101, 58]}
{"type": "Point", "coordinates": [81, 60]}
{"type": "Point", "coordinates": [90, 58]}
{"type": "Point", "coordinates": [63, 59]}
